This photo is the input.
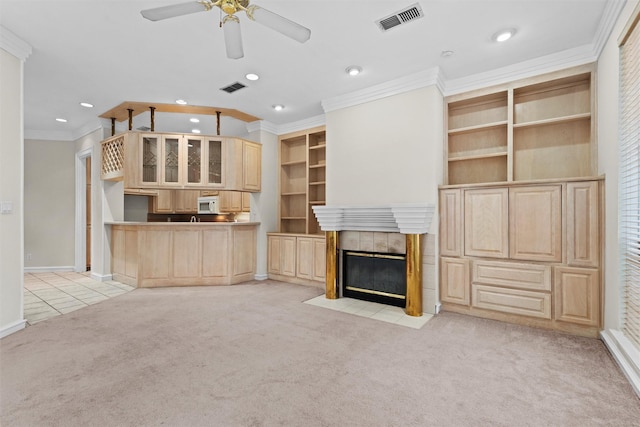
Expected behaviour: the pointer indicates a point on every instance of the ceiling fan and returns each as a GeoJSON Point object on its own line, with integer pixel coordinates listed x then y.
{"type": "Point", "coordinates": [230, 23]}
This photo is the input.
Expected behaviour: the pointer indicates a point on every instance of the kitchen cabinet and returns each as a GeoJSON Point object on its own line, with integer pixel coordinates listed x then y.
{"type": "Point", "coordinates": [182, 161]}
{"type": "Point", "coordinates": [186, 201]}
{"type": "Point", "coordinates": [297, 258]}
{"type": "Point", "coordinates": [159, 254]}
{"type": "Point", "coordinates": [230, 201]}
{"type": "Point", "coordinates": [531, 252]}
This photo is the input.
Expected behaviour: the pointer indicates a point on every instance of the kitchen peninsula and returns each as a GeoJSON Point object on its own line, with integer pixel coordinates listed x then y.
{"type": "Point", "coordinates": [155, 254]}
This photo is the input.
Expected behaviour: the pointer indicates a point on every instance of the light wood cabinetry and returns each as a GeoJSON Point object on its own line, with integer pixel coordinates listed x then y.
{"type": "Point", "coordinates": [186, 201]}
{"type": "Point", "coordinates": [536, 128]}
{"type": "Point", "coordinates": [154, 161]}
{"type": "Point", "coordinates": [183, 254]}
{"type": "Point", "coordinates": [230, 201]}
{"type": "Point", "coordinates": [302, 179]}
{"type": "Point", "coordinates": [533, 250]}
{"type": "Point", "coordinates": [486, 225]}
{"type": "Point", "coordinates": [296, 258]}
{"type": "Point", "coordinates": [535, 229]}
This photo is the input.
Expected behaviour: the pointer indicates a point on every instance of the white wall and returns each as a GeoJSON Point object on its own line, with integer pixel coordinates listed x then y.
{"type": "Point", "coordinates": [608, 73]}
{"type": "Point", "coordinates": [386, 151]}
{"type": "Point", "coordinates": [11, 190]}
{"type": "Point", "coordinates": [264, 205]}
{"type": "Point", "coordinates": [49, 205]}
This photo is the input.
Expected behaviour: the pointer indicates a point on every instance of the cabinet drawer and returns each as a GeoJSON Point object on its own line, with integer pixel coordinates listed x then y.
{"type": "Point", "coordinates": [513, 301]}
{"type": "Point", "coordinates": [518, 275]}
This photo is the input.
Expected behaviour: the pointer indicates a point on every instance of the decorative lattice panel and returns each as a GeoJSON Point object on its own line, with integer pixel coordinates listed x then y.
{"type": "Point", "coordinates": [113, 158]}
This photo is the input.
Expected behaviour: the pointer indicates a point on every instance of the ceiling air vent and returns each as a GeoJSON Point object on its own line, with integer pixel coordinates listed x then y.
{"type": "Point", "coordinates": [408, 14]}
{"type": "Point", "coordinates": [233, 87]}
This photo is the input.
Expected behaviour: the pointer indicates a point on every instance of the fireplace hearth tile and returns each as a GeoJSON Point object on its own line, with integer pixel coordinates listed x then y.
{"type": "Point", "coordinates": [372, 310]}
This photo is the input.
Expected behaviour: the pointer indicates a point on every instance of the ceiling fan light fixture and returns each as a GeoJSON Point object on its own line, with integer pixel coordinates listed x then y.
{"type": "Point", "coordinates": [278, 23]}
{"type": "Point", "coordinates": [232, 37]}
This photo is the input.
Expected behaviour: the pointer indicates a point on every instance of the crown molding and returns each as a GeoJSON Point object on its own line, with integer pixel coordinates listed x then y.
{"type": "Point", "coordinates": [14, 44]}
{"type": "Point", "coordinates": [414, 81]}
{"type": "Point", "coordinates": [87, 129]}
{"type": "Point", "coordinates": [545, 64]}
{"type": "Point", "coordinates": [612, 11]}
{"type": "Point", "coordinates": [47, 135]}
{"type": "Point", "coordinates": [262, 125]}
{"type": "Point", "coordinates": [311, 122]}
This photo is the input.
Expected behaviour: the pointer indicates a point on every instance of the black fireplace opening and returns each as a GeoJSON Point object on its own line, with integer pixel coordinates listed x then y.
{"type": "Point", "coordinates": [376, 277]}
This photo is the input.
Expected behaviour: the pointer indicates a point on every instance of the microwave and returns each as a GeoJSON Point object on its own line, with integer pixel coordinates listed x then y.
{"type": "Point", "coordinates": [208, 205]}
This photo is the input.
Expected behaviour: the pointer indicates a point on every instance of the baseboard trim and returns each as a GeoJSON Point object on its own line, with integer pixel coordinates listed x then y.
{"type": "Point", "coordinates": [625, 354]}
{"type": "Point", "coordinates": [13, 327]}
{"type": "Point", "coordinates": [101, 277]}
{"type": "Point", "coordinates": [261, 277]}
{"type": "Point", "coordinates": [48, 269]}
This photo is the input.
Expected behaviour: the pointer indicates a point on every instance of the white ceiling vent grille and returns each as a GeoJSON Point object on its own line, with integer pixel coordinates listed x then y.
{"type": "Point", "coordinates": [233, 87]}
{"type": "Point", "coordinates": [404, 16]}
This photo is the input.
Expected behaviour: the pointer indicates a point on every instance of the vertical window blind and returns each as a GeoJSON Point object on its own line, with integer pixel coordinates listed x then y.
{"type": "Point", "coordinates": [629, 182]}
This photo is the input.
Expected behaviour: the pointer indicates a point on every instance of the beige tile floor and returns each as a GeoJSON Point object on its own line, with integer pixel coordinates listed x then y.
{"type": "Point", "coordinates": [51, 294]}
{"type": "Point", "coordinates": [372, 310]}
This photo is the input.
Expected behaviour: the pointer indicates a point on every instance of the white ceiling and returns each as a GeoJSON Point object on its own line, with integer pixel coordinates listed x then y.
{"type": "Point", "coordinates": [105, 53]}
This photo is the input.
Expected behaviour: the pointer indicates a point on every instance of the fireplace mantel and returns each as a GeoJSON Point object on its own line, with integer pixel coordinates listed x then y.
{"type": "Point", "coordinates": [406, 218]}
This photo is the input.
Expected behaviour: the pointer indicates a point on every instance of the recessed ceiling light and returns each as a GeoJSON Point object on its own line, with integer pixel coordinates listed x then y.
{"type": "Point", "coordinates": [195, 130]}
{"type": "Point", "coordinates": [504, 35]}
{"type": "Point", "coordinates": [252, 76]}
{"type": "Point", "coordinates": [194, 120]}
{"type": "Point", "coordinates": [278, 107]}
{"type": "Point", "coordinates": [446, 53]}
{"type": "Point", "coordinates": [86, 105]}
{"type": "Point", "coordinates": [181, 102]}
{"type": "Point", "coordinates": [353, 70]}
{"type": "Point", "coordinates": [61, 120]}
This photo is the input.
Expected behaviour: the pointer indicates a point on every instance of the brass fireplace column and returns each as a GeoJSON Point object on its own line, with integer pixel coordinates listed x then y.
{"type": "Point", "coordinates": [331, 279]}
{"type": "Point", "coordinates": [414, 275]}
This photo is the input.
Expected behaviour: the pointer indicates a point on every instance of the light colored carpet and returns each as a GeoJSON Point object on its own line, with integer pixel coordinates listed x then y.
{"type": "Point", "coordinates": [254, 354]}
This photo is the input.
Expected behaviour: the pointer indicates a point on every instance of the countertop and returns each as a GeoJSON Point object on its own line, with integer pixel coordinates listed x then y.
{"type": "Point", "coordinates": [182, 224]}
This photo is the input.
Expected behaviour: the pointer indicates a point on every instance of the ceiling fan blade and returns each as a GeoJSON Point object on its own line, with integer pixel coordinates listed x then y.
{"type": "Point", "coordinates": [279, 23]}
{"type": "Point", "coordinates": [174, 10]}
{"type": "Point", "coordinates": [232, 37]}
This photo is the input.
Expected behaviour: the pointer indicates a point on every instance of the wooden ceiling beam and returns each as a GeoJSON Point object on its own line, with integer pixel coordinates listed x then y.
{"type": "Point", "coordinates": [121, 112]}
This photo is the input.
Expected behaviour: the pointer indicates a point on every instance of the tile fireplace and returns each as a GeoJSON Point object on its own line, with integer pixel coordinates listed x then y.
{"type": "Point", "coordinates": [392, 232]}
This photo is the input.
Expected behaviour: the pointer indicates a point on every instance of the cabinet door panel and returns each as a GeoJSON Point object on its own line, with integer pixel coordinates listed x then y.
{"type": "Point", "coordinates": [454, 280]}
{"type": "Point", "coordinates": [516, 275]}
{"type": "Point", "coordinates": [513, 301]}
{"type": "Point", "coordinates": [486, 222]}
{"type": "Point", "coordinates": [583, 234]}
{"type": "Point", "coordinates": [319, 260]}
{"type": "Point", "coordinates": [187, 257]}
{"type": "Point", "coordinates": [577, 295]}
{"type": "Point", "coordinates": [304, 264]}
{"type": "Point", "coordinates": [451, 222]}
{"type": "Point", "coordinates": [274, 249]}
{"type": "Point", "coordinates": [288, 256]}
{"type": "Point", "coordinates": [251, 170]}
{"type": "Point", "coordinates": [535, 223]}
{"type": "Point", "coordinates": [214, 251]}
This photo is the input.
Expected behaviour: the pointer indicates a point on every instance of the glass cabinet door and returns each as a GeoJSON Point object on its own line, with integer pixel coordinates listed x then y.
{"type": "Point", "coordinates": [171, 160]}
{"type": "Point", "coordinates": [214, 161]}
{"type": "Point", "coordinates": [194, 161]}
{"type": "Point", "coordinates": [150, 160]}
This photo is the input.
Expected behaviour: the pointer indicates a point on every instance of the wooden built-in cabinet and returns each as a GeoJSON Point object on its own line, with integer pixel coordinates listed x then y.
{"type": "Point", "coordinates": [302, 179]}
{"type": "Point", "coordinates": [521, 210]}
{"type": "Point", "coordinates": [524, 252]}
{"type": "Point", "coordinates": [165, 201]}
{"type": "Point", "coordinates": [536, 128]}
{"type": "Point", "coordinates": [165, 161]}
{"type": "Point", "coordinates": [297, 258]}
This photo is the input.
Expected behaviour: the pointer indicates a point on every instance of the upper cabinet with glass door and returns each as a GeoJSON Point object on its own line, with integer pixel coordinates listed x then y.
{"type": "Point", "coordinates": [150, 161]}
